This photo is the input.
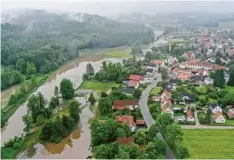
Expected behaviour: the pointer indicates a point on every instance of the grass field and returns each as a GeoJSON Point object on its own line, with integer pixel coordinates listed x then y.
{"type": "Point", "coordinates": [156, 90]}
{"type": "Point", "coordinates": [101, 86]}
{"type": "Point", "coordinates": [176, 40]}
{"type": "Point", "coordinates": [121, 53]}
{"type": "Point", "coordinates": [226, 25]}
{"type": "Point", "coordinates": [209, 144]}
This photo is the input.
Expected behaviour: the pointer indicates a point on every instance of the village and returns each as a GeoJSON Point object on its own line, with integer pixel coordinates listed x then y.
{"type": "Point", "coordinates": [194, 86]}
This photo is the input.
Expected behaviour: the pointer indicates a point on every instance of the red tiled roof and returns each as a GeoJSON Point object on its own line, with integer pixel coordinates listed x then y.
{"type": "Point", "coordinates": [122, 104]}
{"type": "Point", "coordinates": [157, 62]}
{"type": "Point", "coordinates": [166, 93]}
{"type": "Point", "coordinates": [217, 67]}
{"type": "Point", "coordinates": [136, 77]}
{"type": "Point", "coordinates": [133, 83]}
{"type": "Point", "coordinates": [189, 113]}
{"type": "Point", "coordinates": [126, 119]}
{"type": "Point", "coordinates": [156, 98]}
{"type": "Point", "coordinates": [230, 114]}
{"type": "Point", "coordinates": [140, 121]}
{"type": "Point", "coordinates": [102, 121]}
{"type": "Point", "coordinates": [217, 114]}
{"type": "Point", "coordinates": [183, 76]}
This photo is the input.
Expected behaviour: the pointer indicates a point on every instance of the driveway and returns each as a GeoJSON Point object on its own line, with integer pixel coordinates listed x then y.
{"type": "Point", "coordinates": [148, 117]}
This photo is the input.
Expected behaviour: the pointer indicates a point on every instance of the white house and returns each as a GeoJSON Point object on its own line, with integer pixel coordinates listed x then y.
{"type": "Point", "coordinates": [208, 81]}
{"type": "Point", "coordinates": [218, 118]}
{"type": "Point", "coordinates": [216, 109]}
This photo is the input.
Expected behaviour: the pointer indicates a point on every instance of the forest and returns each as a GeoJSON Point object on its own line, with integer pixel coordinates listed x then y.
{"type": "Point", "coordinates": [47, 40]}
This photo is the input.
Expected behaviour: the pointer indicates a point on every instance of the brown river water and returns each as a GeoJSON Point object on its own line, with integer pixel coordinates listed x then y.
{"type": "Point", "coordinates": [76, 145]}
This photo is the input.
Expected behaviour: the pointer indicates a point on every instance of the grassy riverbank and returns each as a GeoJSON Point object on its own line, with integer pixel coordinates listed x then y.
{"type": "Point", "coordinates": [95, 85]}
{"type": "Point", "coordinates": [32, 138]}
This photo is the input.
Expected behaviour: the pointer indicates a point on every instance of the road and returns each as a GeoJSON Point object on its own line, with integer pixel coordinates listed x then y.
{"type": "Point", "coordinates": [148, 117]}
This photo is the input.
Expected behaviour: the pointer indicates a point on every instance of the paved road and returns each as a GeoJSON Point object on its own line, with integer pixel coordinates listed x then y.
{"type": "Point", "coordinates": [148, 117]}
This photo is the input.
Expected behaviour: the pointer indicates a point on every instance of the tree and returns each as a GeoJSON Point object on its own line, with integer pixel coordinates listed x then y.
{"type": "Point", "coordinates": [136, 48]}
{"type": "Point", "coordinates": [89, 69]}
{"type": "Point", "coordinates": [16, 77]}
{"type": "Point", "coordinates": [181, 59]}
{"type": "Point", "coordinates": [123, 130]}
{"type": "Point", "coordinates": [137, 93]}
{"type": "Point", "coordinates": [21, 65]}
{"type": "Point", "coordinates": [30, 68]}
{"type": "Point", "coordinates": [164, 72]}
{"type": "Point", "coordinates": [54, 102]}
{"type": "Point", "coordinates": [148, 55]}
{"type": "Point", "coordinates": [66, 89]}
{"type": "Point", "coordinates": [218, 61]}
{"type": "Point", "coordinates": [156, 149]}
{"type": "Point", "coordinates": [106, 151]}
{"type": "Point", "coordinates": [152, 134]}
{"type": "Point", "coordinates": [40, 119]}
{"type": "Point", "coordinates": [74, 109]}
{"type": "Point", "coordinates": [219, 80]}
{"type": "Point", "coordinates": [92, 99]}
{"type": "Point", "coordinates": [183, 152]}
{"type": "Point", "coordinates": [231, 76]}
{"type": "Point", "coordinates": [105, 106]}
{"type": "Point", "coordinates": [28, 121]}
{"type": "Point", "coordinates": [56, 91]}
{"type": "Point", "coordinates": [36, 106]}
{"type": "Point", "coordinates": [104, 65]}
{"type": "Point", "coordinates": [140, 137]}
{"type": "Point", "coordinates": [163, 121]}
{"type": "Point", "coordinates": [173, 134]}
{"type": "Point", "coordinates": [104, 94]}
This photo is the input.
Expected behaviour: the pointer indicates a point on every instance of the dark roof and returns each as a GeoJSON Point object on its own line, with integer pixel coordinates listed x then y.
{"type": "Point", "coordinates": [149, 70]}
{"type": "Point", "coordinates": [128, 90]}
{"type": "Point", "coordinates": [214, 105]}
{"type": "Point", "coordinates": [196, 78]}
{"type": "Point", "coordinates": [191, 97]}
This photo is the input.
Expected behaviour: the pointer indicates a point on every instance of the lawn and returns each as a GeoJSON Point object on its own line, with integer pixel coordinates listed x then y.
{"type": "Point", "coordinates": [94, 85]}
{"type": "Point", "coordinates": [156, 90]}
{"type": "Point", "coordinates": [227, 25]}
{"type": "Point", "coordinates": [121, 53]}
{"type": "Point", "coordinates": [177, 40]}
{"type": "Point", "coordinates": [230, 89]}
{"type": "Point", "coordinates": [209, 143]}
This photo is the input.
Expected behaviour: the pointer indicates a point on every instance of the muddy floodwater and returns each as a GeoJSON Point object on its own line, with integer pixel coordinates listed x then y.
{"type": "Point", "coordinates": [72, 71]}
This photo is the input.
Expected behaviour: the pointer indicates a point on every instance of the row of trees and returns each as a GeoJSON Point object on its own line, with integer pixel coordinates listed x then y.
{"type": "Point", "coordinates": [55, 130]}
{"type": "Point", "coordinates": [10, 78]}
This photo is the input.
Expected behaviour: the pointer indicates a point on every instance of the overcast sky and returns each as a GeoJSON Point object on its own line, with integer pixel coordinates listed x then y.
{"type": "Point", "coordinates": [114, 8]}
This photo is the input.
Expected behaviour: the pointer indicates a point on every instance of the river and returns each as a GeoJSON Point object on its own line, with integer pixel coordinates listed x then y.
{"type": "Point", "coordinates": [76, 145]}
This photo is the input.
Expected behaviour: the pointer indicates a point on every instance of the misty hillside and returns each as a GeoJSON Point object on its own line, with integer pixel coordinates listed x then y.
{"type": "Point", "coordinates": [49, 40]}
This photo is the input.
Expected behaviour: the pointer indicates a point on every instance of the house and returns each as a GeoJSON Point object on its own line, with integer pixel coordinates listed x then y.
{"type": "Point", "coordinates": [136, 77]}
{"type": "Point", "coordinates": [195, 64]}
{"type": "Point", "coordinates": [183, 76]}
{"type": "Point", "coordinates": [133, 83]}
{"type": "Point", "coordinates": [127, 90]}
{"type": "Point", "coordinates": [215, 108]}
{"type": "Point", "coordinates": [140, 122]}
{"type": "Point", "coordinates": [123, 104]}
{"type": "Point", "coordinates": [166, 106]}
{"type": "Point", "coordinates": [148, 78]}
{"type": "Point", "coordinates": [218, 117]}
{"type": "Point", "coordinates": [230, 112]}
{"type": "Point", "coordinates": [127, 120]}
{"type": "Point", "coordinates": [208, 81]}
{"type": "Point", "coordinates": [196, 79]}
{"type": "Point", "coordinates": [125, 140]}
{"type": "Point", "coordinates": [190, 117]}
{"type": "Point", "coordinates": [166, 94]}
{"type": "Point", "coordinates": [187, 97]}
{"type": "Point", "coordinates": [172, 61]}
{"type": "Point", "coordinates": [150, 71]}
{"type": "Point", "coordinates": [157, 63]}
{"type": "Point", "coordinates": [188, 55]}
{"type": "Point", "coordinates": [156, 98]}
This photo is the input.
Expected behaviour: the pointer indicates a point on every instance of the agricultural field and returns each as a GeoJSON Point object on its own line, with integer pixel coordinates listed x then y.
{"type": "Point", "coordinates": [209, 143]}
{"type": "Point", "coordinates": [94, 85]}
{"type": "Point", "coordinates": [177, 40]}
{"type": "Point", "coordinates": [226, 25]}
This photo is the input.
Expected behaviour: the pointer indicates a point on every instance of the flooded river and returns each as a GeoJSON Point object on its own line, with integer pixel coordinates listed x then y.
{"type": "Point", "coordinates": [72, 71]}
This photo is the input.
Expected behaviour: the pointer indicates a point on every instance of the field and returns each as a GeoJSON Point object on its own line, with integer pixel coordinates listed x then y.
{"type": "Point", "coordinates": [177, 40]}
{"type": "Point", "coordinates": [120, 53]}
{"type": "Point", "coordinates": [101, 86]}
{"type": "Point", "coordinates": [156, 90]}
{"type": "Point", "coordinates": [210, 144]}
{"type": "Point", "coordinates": [226, 25]}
